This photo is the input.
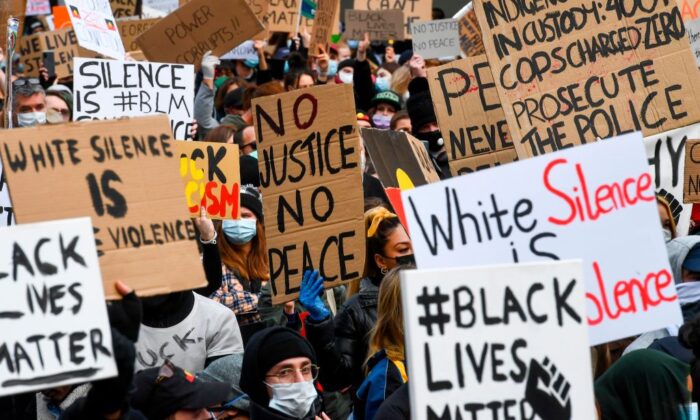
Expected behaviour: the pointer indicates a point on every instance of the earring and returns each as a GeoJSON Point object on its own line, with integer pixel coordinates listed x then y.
{"type": "Point", "coordinates": [384, 271]}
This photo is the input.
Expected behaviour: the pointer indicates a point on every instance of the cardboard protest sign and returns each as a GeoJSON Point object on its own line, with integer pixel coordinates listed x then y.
{"type": "Point", "coordinates": [123, 174]}
{"type": "Point", "coordinates": [242, 52]}
{"type": "Point", "coordinates": [282, 16]}
{"type": "Point", "coordinates": [124, 8]}
{"type": "Point", "coordinates": [470, 115]}
{"type": "Point", "coordinates": [691, 179]}
{"type": "Point", "coordinates": [484, 337]}
{"type": "Point", "coordinates": [379, 24]}
{"type": "Point", "coordinates": [402, 163]}
{"type": "Point", "coordinates": [436, 38]}
{"type": "Point", "coordinates": [413, 10]}
{"type": "Point", "coordinates": [38, 7]}
{"type": "Point", "coordinates": [158, 8]}
{"type": "Point", "coordinates": [197, 27]}
{"type": "Point", "coordinates": [63, 43]}
{"type": "Point", "coordinates": [582, 203]}
{"type": "Point", "coordinates": [690, 9]}
{"type": "Point", "coordinates": [54, 320]}
{"type": "Point", "coordinates": [212, 176]}
{"type": "Point", "coordinates": [260, 8]}
{"type": "Point", "coordinates": [6, 213]}
{"type": "Point", "coordinates": [307, 160]}
{"type": "Point", "coordinates": [666, 155]}
{"type": "Point", "coordinates": [129, 30]}
{"type": "Point", "coordinates": [609, 70]}
{"type": "Point", "coordinates": [95, 27]}
{"type": "Point", "coordinates": [693, 29]}
{"type": "Point", "coordinates": [106, 89]}
{"type": "Point", "coordinates": [470, 40]}
{"type": "Point", "coordinates": [323, 24]}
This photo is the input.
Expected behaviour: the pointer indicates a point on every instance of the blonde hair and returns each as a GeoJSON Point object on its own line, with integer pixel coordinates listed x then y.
{"type": "Point", "coordinates": [387, 333]}
{"type": "Point", "coordinates": [400, 80]}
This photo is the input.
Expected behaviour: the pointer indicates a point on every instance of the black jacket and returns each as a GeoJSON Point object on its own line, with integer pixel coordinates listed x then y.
{"type": "Point", "coordinates": [397, 406]}
{"type": "Point", "coordinates": [341, 344]}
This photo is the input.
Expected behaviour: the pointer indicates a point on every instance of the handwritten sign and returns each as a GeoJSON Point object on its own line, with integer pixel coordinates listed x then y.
{"type": "Point", "coordinates": [121, 173]}
{"type": "Point", "coordinates": [242, 52]}
{"type": "Point", "coordinates": [691, 189]}
{"type": "Point", "coordinates": [615, 70]}
{"type": "Point", "coordinates": [130, 29]}
{"type": "Point", "coordinates": [469, 33]}
{"type": "Point", "coordinates": [413, 10]}
{"type": "Point", "coordinates": [485, 337]}
{"type": "Point", "coordinates": [212, 178]}
{"type": "Point", "coordinates": [326, 11]}
{"type": "Point", "coordinates": [582, 203]}
{"type": "Point", "coordinates": [95, 27]}
{"type": "Point", "coordinates": [260, 8]}
{"type": "Point", "coordinates": [107, 89]}
{"type": "Point", "coordinates": [123, 8]}
{"type": "Point", "coordinates": [470, 115]}
{"type": "Point", "coordinates": [307, 160]}
{"type": "Point", "coordinates": [6, 214]}
{"type": "Point", "coordinates": [197, 27]}
{"type": "Point", "coordinates": [38, 7]}
{"type": "Point", "coordinates": [282, 16]}
{"type": "Point", "coordinates": [436, 38]}
{"type": "Point", "coordinates": [62, 42]}
{"type": "Point", "coordinates": [380, 24]}
{"type": "Point", "coordinates": [693, 29]}
{"type": "Point", "coordinates": [53, 317]}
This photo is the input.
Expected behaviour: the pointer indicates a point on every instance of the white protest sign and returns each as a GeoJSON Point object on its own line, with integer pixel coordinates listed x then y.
{"type": "Point", "coordinates": [7, 217]}
{"type": "Point", "coordinates": [38, 7]}
{"type": "Point", "coordinates": [158, 8]}
{"type": "Point", "coordinates": [95, 27]}
{"type": "Point", "coordinates": [436, 38]}
{"type": "Point", "coordinates": [666, 153]}
{"type": "Point", "coordinates": [594, 202]}
{"type": "Point", "coordinates": [107, 89]}
{"type": "Point", "coordinates": [485, 337]}
{"type": "Point", "coordinates": [53, 316]}
{"type": "Point", "coordinates": [692, 28]}
{"type": "Point", "coordinates": [244, 51]}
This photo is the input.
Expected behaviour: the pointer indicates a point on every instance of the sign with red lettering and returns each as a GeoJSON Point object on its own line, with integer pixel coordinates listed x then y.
{"type": "Point", "coordinates": [212, 176]}
{"type": "Point", "coordinates": [481, 339]}
{"type": "Point", "coordinates": [582, 203]}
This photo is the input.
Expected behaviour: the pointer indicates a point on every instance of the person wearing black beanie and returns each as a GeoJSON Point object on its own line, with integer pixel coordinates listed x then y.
{"type": "Point", "coordinates": [278, 374]}
{"type": "Point", "coordinates": [424, 124]}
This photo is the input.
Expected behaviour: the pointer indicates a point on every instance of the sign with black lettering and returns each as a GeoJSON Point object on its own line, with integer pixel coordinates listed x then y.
{"type": "Point", "coordinates": [436, 38]}
{"type": "Point", "coordinates": [486, 342]}
{"type": "Point", "coordinates": [62, 42]}
{"type": "Point", "coordinates": [131, 29]}
{"type": "Point", "coordinates": [691, 189]}
{"type": "Point", "coordinates": [52, 311]}
{"type": "Point", "coordinates": [469, 33]}
{"type": "Point", "coordinates": [123, 8]}
{"type": "Point", "coordinates": [381, 25]}
{"type": "Point", "coordinates": [324, 20]}
{"type": "Point", "coordinates": [185, 35]}
{"type": "Point", "coordinates": [569, 73]}
{"type": "Point", "coordinates": [470, 115]}
{"type": "Point", "coordinates": [413, 10]}
{"type": "Point", "coordinates": [212, 176]}
{"type": "Point", "coordinates": [122, 174]}
{"type": "Point", "coordinates": [107, 89]}
{"type": "Point", "coordinates": [7, 217]}
{"type": "Point", "coordinates": [260, 8]}
{"type": "Point", "coordinates": [309, 163]}
{"type": "Point", "coordinates": [586, 203]}
{"type": "Point", "coordinates": [666, 154]}
{"type": "Point", "coordinates": [282, 16]}
{"type": "Point", "coordinates": [95, 27]}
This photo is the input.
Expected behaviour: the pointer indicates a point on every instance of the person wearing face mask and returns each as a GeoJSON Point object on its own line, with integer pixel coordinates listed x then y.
{"type": "Point", "coordinates": [279, 370]}
{"type": "Point", "coordinates": [28, 103]}
{"type": "Point", "coordinates": [342, 343]}
{"type": "Point", "coordinates": [245, 139]}
{"type": "Point", "coordinates": [668, 222]}
{"type": "Point", "coordinates": [384, 106]}
{"type": "Point", "coordinates": [345, 71]}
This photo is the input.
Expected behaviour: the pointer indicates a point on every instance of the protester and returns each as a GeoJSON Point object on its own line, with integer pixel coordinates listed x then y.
{"type": "Point", "coordinates": [221, 134]}
{"type": "Point", "coordinates": [29, 103]}
{"type": "Point", "coordinates": [384, 105]}
{"type": "Point", "coordinates": [245, 139]}
{"type": "Point", "coordinates": [228, 370]}
{"type": "Point", "coordinates": [59, 104]}
{"type": "Point", "coordinates": [668, 223]}
{"type": "Point", "coordinates": [401, 121]}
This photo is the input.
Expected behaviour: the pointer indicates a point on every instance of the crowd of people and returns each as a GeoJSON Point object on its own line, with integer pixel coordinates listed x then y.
{"type": "Point", "coordinates": [332, 354]}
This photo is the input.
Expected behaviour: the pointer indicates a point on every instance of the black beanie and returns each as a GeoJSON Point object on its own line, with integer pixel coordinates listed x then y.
{"type": "Point", "coordinates": [420, 104]}
{"type": "Point", "coordinates": [251, 199]}
{"type": "Point", "coordinates": [265, 349]}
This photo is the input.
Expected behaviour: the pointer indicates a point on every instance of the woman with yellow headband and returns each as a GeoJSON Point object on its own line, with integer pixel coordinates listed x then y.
{"type": "Point", "coordinates": [342, 343]}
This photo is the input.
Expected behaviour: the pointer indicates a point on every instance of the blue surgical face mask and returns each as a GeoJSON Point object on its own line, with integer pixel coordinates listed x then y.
{"type": "Point", "coordinates": [383, 84]}
{"type": "Point", "coordinates": [239, 232]}
{"type": "Point", "coordinates": [29, 119]}
{"type": "Point", "coordinates": [254, 154]}
{"type": "Point", "coordinates": [332, 68]}
{"type": "Point", "coordinates": [294, 399]}
{"type": "Point", "coordinates": [353, 43]}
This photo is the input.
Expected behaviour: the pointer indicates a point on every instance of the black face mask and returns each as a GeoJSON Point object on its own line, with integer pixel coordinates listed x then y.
{"type": "Point", "coordinates": [409, 259]}
{"type": "Point", "coordinates": [432, 138]}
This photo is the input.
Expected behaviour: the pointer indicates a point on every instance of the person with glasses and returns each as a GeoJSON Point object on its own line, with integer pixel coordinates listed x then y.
{"type": "Point", "coordinates": [28, 103]}
{"type": "Point", "coordinates": [279, 371]}
{"type": "Point", "coordinates": [245, 139]}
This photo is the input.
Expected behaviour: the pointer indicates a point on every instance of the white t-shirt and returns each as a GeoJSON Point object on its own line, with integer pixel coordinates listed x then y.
{"type": "Point", "coordinates": [209, 330]}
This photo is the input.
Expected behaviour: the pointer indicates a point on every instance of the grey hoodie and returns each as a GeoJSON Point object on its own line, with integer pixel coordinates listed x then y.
{"type": "Point", "coordinates": [678, 250]}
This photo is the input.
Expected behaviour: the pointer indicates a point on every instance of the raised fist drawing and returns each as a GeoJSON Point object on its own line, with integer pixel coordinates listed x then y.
{"type": "Point", "coordinates": [547, 391]}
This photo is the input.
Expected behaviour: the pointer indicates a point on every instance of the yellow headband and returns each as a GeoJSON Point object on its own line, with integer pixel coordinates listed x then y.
{"type": "Point", "coordinates": [380, 215]}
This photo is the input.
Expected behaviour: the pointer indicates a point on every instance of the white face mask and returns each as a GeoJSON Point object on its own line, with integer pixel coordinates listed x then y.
{"type": "Point", "coordinates": [293, 399]}
{"type": "Point", "coordinates": [345, 77]}
{"type": "Point", "coordinates": [29, 119]}
{"type": "Point", "coordinates": [667, 234]}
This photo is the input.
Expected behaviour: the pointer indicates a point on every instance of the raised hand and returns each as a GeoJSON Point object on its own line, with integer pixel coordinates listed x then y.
{"type": "Point", "coordinates": [310, 295]}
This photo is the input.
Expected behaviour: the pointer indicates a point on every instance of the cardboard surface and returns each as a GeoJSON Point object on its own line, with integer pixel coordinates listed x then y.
{"type": "Point", "coordinates": [307, 158]}
{"type": "Point", "coordinates": [108, 89]}
{"type": "Point", "coordinates": [436, 38]}
{"type": "Point", "coordinates": [324, 23]}
{"type": "Point", "coordinates": [63, 43]}
{"type": "Point", "coordinates": [470, 115]}
{"type": "Point", "coordinates": [412, 10]}
{"type": "Point", "coordinates": [95, 27]}
{"type": "Point", "coordinates": [260, 8]}
{"type": "Point", "coordinates": [124, 175]}
{"type": "Point", "coordinates": [130, 29]}
{"type": "Point", "coordinates": [282, 16]}
{"type": "Point", "coordinates": [528, 211]}
{"type": "Point", "coordinates": [58, 340]}
{"type": "Point", "coordinates": [212, 177]}
{"type": "Point", "coordinates": [610, 73]}
{"type": "Point", "coordinates": [381, 25]}
{"type": "Point", "coordinates": [469, 33]}
{"type": "Point", "coordinates": [691, 179]}
{"type": "Point", "coordinates": [197, 27]}
{"type": "Point", "coordinates": [488, 316]}
{"type": "Point", "coordinates": [124, 8]}
{"type": "Point", "coordinates": [6, 213]}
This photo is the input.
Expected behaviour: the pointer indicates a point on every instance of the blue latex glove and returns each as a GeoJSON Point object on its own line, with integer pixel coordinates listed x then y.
{"type": "Point", "coordinates": [310, 296]}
